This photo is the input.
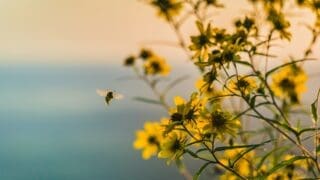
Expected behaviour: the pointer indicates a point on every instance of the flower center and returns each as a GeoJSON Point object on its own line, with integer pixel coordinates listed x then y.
{"type": "Point", "coordinates": [145, 54]}
{"type": "Point", "coordinates": [242, 84]}
{"type": "Point", "coordinates": [175, 146]}
{"type": "Point", "coordinates": [203, 40]}
{"type": "Point", "coordinates": [176, 117]}
{"type": "Point", "coordinates": [287, 84]}
{"type": "Point", "coordinates": [152, 140]}
{"type": "Point", "coordinates": [164, 5]}
{"type": "Point", "coordinates": [190, 114]}
{"type": "Point", "coordinates": [155, 66]}
{"type": "Point", "coordinates": [228, 55]}
{"type": "Point", "coordinates": [218, 120]}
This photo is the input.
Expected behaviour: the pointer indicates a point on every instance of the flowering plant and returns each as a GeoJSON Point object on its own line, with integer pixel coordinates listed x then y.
{"type": "Point", "coordinates": [236, 86]}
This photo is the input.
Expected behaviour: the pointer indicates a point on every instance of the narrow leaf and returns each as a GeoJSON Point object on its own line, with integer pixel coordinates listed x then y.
{"type": "Point", "coordinates": [147, 100]}
{"type": "Point", "coordinates": [267, 155]}
{"type": "Point", "coordinates": [245, 63]}
{"type": "Point", "coordinates": [202, 168]}
{"type": "Point", "coordinates": [222, 148]}
{"type": "Point", "coordinates": [314, 108]}
{"type": "Point", "coordinates": [284, 164]}
{"type": "Point", "coordinates": [191, 153]}
{"type": "Point", "coordinates": [285, 64]}
{"type": "Point", "coordinates": [174, 83]}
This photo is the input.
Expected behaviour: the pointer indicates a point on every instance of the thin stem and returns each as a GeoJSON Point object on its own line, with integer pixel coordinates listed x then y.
{"type": "Point", "coordinates": [300, 146]}
{"type": "Point", "coordinates": [153, 88]}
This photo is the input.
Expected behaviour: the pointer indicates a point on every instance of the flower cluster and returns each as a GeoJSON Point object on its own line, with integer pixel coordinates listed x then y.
{"type": "Point", "coordinates": [152, 64]}
{"type": "Point", "coordinates": [193, 122]}
{"type": "Point", "coordinates": [241, 118]}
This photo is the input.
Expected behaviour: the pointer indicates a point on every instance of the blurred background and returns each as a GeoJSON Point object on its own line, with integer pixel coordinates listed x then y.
{"type": "Point", "coordinates": [54, 54]}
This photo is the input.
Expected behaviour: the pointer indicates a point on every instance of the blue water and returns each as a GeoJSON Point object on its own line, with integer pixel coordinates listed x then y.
{"type": "Point", "coordinates": [54, 126]}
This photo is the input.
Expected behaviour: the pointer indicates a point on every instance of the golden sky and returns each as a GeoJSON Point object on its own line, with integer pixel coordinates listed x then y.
{"type": "Point", "coordinates": [83, 30]}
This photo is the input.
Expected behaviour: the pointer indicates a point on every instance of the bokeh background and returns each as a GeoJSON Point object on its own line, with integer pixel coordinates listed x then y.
{"type": "Point", "coordinates": [54, 54]}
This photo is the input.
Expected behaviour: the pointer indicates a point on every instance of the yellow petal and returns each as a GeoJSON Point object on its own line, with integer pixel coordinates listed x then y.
{"type": "Point", "coordinates": [165, 154]}
{"type": "Point", "coordinates": [149, 151]}
{"type": "Point", "coordinates": [139, 144]}
{"type": "Point", "coordinates": [179, 100]}
{"type": "Point", "coordinates": [199, 84]}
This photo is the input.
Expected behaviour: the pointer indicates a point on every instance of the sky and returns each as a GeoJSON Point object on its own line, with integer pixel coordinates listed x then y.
{"type": "Point", "coordinates": [93, 30]}
{"type": "Point", "coordinates": [57, 31]}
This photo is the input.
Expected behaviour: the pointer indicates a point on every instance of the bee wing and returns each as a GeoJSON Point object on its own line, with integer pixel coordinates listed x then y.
{"type": "Point", "coordinates": [118, 96]}
{"type": "Point", "coordinates": [102, 93]}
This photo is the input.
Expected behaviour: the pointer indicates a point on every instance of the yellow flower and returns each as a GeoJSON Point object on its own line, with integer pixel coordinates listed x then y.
{"type": "Point", "coordinates": [145, 54]}
{"type": "Point", "coordinates": [296, 170]}
{"type": "Point", "coordinates": [245, 84]}
{"type": "Point", "coordinates": [279, 23]}
{"type": "Point", "coordinates": [213, 3]}
{"type": "Point", "coordinates": [242, 166]}
{"type": "Point", "coordinates": [168, 8]}
{"type": "Point", "coordinates": [220, 123]}
{"type": "Point", "coordinates": [187, 110]}
{"type": "Point", "coordinates": [172, 147]}
{"type": "Point", "coordinates": [198, 134]}
{"type": "Point", "coordinates": [206, 88]}
{"type": "Point", "coordinates": [149, 139]}
{"type": "Point", "coordinates": [129, 61]}
{"type": "Point", "coordinates": [202, 42]}
{"type": "Point", "coordinates": [156, 65]}
{"type": "Point", "coordinates": [289, 82]}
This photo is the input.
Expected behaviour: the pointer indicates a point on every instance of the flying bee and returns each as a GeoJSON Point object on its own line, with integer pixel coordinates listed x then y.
{"type": "Point", "coordinates": [109, 95]}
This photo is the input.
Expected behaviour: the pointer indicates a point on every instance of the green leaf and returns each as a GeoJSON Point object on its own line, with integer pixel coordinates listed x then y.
{"type": "Point", "coordinates": [253, 101]}
{"type": "Point", "coordinates": [284, 164]}
{"type": "Point", "coordinates": [314, 108]}
{"type": "Point", "coordinates": [202, 64]}
{"type": "Point", "coordinates": [239, 156]}
{"type": "Point", "coordinates": [307, 130]}
{"type": "Point", "coordinates": [175, 82]}
{"type": "Point", "coordinates": [202, 168]}
{"type": "Point", "coordinates": [154, 82]}
{"type": "Point", "coordinates": [222, 148]}
{"type": "Point", "coordinates": [284, 65]}
{"type": "Point", "coordinates": [268, 154]}
{"type": "Point", "coordinates": [147, 100]}
{"type": "Point", "coordinates": [201, 150]}
{"type": "Point", "coordinates": [191, 153]}
{"type": "Point", "coordinates": [318, 149]}
{"type": "Point", "coordinates": [287, 127]}
{"type": "Point", "coordinates": [245, 63]}
{"type": "Point", "coordinates": [264, 54]}
{"type": "Point", "coordinates": [171, 126]}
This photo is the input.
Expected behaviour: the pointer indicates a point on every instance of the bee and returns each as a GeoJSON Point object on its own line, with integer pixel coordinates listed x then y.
{"type": "Point", "coordinates": [109, 95]}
